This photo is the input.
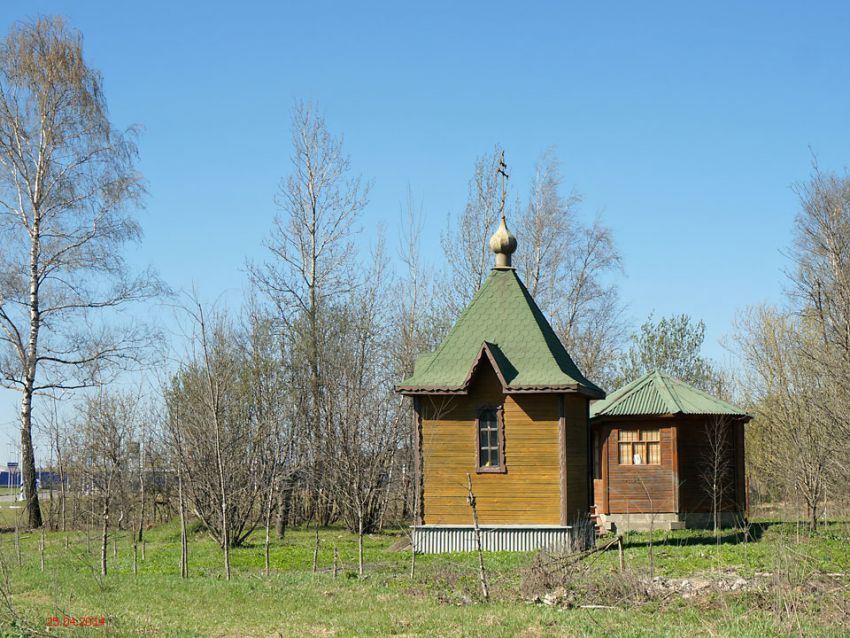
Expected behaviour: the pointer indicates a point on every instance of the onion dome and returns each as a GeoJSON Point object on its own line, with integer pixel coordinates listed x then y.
{"type": "Point", "coordinates": [503, 244]}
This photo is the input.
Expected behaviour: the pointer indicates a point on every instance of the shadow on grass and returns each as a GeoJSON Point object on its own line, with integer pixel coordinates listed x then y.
{"type": "Point", "coordinates": [727, 537]}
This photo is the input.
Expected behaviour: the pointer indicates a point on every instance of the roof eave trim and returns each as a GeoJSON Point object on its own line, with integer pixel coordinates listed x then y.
{"type": "Point", "coordinates": [485, 351]}
{"type": "Point", "coordinates": [572, 388]}
{"type": "Point", "coordinates": [669, 415]}
{"type": "Point", "coordinates": [413, 389]}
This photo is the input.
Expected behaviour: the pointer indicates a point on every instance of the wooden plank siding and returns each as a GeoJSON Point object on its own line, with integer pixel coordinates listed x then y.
{"type": "Point", "coordinates": [695, 494]}
{"type": "Point", "coordinates": [578, 470]}
{"type": "Point", "coordinates": [677, 484]}
{"type": "Point", "coordinates": [640, 488]}
{"type": "Point", "coordinates": [529, 492]}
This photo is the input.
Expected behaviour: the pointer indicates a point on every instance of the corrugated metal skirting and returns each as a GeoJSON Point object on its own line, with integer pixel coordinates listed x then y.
{"type": "Point", "coordinates": [440, 539]}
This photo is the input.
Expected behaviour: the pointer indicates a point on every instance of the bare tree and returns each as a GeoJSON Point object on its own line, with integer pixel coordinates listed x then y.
{"type": "Point", "coordinates": [216, 377]}
{"type": "Point", "coordinates": [421, 318]}
{"type": "Point", "coordinates": [181, 499]}
{"type": "Point", "coordinates": [364, 425]}
{"type": "Point", "coordinates": [652, 515]}
{"type": "Point", "coordinates": [821, 254]}
{"type": "Point", "coordinates": [567, 266]}
{"type": "Point", "coordinates": [224, 449]}
{"type": "Point", "coordinates": [271, 408]}
{"type": "Point", "coordinates": [105, 429]}
{"type": "Point", "coordinates": [798, 358]}
{"type": "Point", "coordinates": [716, 473]}
{"type": "Point", "coordinates": [311, 266]}
{"type": "Point", "coordinates": [465, 239]}
{"type": "Point", "coordinates": [548, 226]}
{"type": "Point", "coordinates": [821, 278]}
{"type": "Point", "coordinates": [67, 177]}
{"type": "Point", "coordinates": [797, 447]}
{"type": "Point", "coordinates": [482, 572]}
{"type": "Point", "coordinates": [420, 321]}
{"type": "Point", "coordinates": [140, 445]}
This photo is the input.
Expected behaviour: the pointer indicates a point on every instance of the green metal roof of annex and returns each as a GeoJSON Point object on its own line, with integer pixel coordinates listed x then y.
{"type": "Point", "coordinates": [658, 393]}
{"type": "Point", "coordinates": [504, 325]}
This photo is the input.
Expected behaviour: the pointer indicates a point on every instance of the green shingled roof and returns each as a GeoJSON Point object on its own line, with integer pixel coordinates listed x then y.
{"type": "Point", "coordinates": [503, 325]}
{"type": "Point", "coordinates": [658, 393]}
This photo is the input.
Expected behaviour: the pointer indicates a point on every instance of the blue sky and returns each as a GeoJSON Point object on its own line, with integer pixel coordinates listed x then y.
{"type": "Point", "coordinates": [683, 124]}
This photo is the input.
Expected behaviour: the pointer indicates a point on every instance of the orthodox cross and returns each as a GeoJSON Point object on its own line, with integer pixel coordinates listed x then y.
{"type": "Point", "coordinates": [502, 170]}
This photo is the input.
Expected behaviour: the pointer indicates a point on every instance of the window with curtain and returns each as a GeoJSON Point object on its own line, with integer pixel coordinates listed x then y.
{"type": "Point", "coordinates": [640, 447]}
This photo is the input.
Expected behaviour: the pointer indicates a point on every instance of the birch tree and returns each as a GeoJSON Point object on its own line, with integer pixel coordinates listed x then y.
{"type": "Point", "coordinates": [67, 180]}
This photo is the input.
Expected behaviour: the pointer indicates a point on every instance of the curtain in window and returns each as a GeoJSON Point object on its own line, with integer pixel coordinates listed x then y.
{"type": "Point", "coordinates": [639, 447]}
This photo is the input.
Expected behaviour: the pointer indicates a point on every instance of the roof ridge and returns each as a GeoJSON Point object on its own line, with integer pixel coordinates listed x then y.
{"type": "Point", "coordinates": [659, 393]}
{"type": "Point", "coordinates": [667, 393]}
{"type": "Point", "coordinates": [552, 340]}
{"type": "Point", "coordinates": [706, 395]}
{"type": "Point", "coordinates": [626, 391]}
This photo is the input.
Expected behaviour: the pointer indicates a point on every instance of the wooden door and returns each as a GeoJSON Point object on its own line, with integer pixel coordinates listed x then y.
{"type": "Point", "coordinates": [598, 476]}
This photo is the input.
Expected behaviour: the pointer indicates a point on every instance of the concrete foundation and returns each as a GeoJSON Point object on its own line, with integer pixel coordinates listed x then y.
{"type": "Point", "coordinates": [643, 522]}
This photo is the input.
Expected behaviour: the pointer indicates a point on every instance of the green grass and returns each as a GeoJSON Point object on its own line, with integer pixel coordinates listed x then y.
{"type": "Point", "coordinates": [684, 552]}
{"type": "Point", "coordinates": [443, 599]}
{"type": "Point", "coordinates": [10, 513]}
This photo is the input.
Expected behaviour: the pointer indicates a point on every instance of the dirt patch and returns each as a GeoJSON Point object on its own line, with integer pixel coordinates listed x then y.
{"type": "Point", "coordinates": [701, 585]}
{"type": "Point", "coordinates": [640, 590]}
{"type": "Point", "coordinates": [400, 545]}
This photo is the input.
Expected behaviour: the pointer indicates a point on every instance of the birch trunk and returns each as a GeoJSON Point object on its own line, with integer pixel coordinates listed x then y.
{"type": "Point", "coordinates": [184, 545]}
{"type": "Point", "coordinates": [104, 537]}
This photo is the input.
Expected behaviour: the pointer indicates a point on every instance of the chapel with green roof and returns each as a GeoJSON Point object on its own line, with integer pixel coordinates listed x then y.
{"type": "Point", "coordinates": [667, 455]}
{"type": "Point", "coordinates": [502, 402]}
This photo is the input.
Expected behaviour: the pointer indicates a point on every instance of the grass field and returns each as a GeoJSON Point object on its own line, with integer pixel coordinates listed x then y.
{"type": "Point", "coordinates": [442, 600]}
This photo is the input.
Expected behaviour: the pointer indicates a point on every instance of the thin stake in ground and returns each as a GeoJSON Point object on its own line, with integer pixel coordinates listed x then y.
{"type": "Point", "coordinates": [482, 573]}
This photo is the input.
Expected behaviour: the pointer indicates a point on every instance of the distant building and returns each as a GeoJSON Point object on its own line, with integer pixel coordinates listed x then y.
{"type": "Point", "coordinates": [12, 478]}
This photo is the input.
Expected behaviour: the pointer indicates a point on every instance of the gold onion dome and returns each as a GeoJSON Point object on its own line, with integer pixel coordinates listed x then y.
{"type": "Point", "coordinates": [503, 243]}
